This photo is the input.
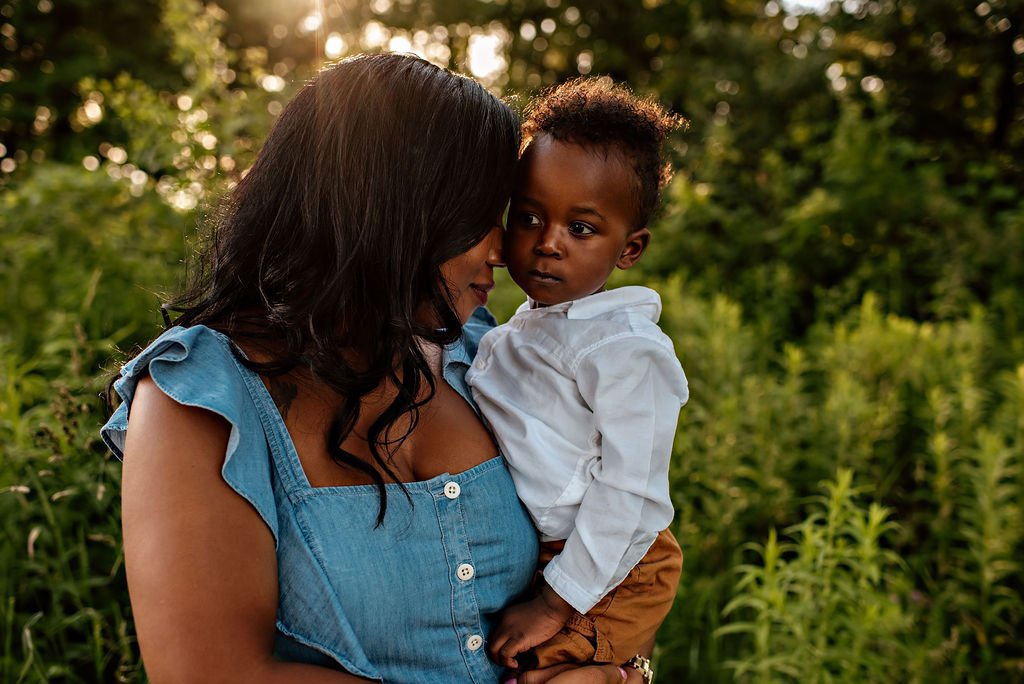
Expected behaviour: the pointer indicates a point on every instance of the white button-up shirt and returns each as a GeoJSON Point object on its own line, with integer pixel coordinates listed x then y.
{"type": "Point", "coordinates": [583, 398]}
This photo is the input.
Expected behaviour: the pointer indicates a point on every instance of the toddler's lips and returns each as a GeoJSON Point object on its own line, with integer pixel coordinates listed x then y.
{"type": "Point", "coordinates": [544, 277]}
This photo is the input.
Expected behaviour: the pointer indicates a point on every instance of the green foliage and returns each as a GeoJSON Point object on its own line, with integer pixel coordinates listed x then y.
{"type": "Point", "coordinates": [840, 261]}
{"type": "Point", "coordinates": [81, 258]}
{"type": "Point", "coordinates": [920, 411]}
{"type": "Point", "coordinates": [47, 48]}
{"type": "Point", "coordinates": [880, 215]}
{"type": "Point", "coordinates": [191, 143]}
{"type": "Point", "coordinates": [64, 617]}
{"type": "Point", "coordinates": [85, 260]}
{"type": "Point", "coordinates": [79, 251]}
{"type": "Point", "coordinates": [826, 605]}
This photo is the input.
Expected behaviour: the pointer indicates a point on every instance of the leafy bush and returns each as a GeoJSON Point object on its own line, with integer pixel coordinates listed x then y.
{"type": "Point", "coordinates": [78, 249]}
{"type": "Point", "coordinates": [792, 210]}
{"type": "Point", "coordinates": [80, 259]}
{"type": "Point", "coordinates": [879, 213]}
{"type": "Point", "coordinates": [827, 605]}
{"type": "Point", "coordinates": [925, 413]}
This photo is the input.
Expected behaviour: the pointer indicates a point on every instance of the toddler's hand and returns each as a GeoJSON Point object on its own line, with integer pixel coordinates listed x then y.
{"type": "Point", "coordinates": [525, 625]}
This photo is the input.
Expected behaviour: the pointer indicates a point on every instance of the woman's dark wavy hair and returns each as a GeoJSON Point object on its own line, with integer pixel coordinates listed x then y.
{"type": "Point", "coordinates": [380, 169]}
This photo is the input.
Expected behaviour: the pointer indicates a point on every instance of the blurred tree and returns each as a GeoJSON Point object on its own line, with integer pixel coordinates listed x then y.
{"type": "Point", "coordinates": [870, 144]}
{"type": "Point", "coordinates": [954, 71]}
{"type": "Point", "coordinates": [48, 48]}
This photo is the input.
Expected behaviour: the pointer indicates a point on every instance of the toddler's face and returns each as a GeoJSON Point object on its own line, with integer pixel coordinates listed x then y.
{"type": "Point", "coordinates": [570, 222]}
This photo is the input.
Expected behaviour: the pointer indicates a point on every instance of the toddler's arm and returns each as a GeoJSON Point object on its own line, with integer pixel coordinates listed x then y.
{"type": "Point", "coordinates": [635, 387]}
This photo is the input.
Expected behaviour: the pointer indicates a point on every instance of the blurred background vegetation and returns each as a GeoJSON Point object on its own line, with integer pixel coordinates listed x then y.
{"type": "Point", "coordinates": [841, 258]}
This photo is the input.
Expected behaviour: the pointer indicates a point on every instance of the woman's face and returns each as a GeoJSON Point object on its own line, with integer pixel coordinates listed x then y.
{"type": "Point", "coordinates": [470, 276]}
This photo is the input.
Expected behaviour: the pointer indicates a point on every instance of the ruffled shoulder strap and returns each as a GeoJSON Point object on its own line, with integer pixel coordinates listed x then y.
{"type": "Point", "coordinates": [196, 366]}
{"type": "Point", "coordinates": [478, 325]}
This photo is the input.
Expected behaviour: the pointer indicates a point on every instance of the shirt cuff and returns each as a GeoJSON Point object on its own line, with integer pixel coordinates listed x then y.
{"type": "Point", "coordinates": [575, 595]}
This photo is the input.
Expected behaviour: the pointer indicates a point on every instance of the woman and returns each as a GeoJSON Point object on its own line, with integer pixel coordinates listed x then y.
{"type": "Point", "coordinates": [308, 492]}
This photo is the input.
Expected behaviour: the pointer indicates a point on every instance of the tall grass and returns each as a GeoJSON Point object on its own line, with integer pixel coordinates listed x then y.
{"type": "Point", "coordinates": [827, 604]}
{"type": "Point", "coordinates": [921, 582]}
{"type": "Point", "coordinates": [907, 569]}
{"type": "Point", "coordinates": [905, 565]}
{"type": "Point", "coordinates": [80, 259]}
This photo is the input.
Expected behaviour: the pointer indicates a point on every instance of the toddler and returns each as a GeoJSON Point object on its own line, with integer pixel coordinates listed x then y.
{"type": "Point", "coordinates": [581, 387]}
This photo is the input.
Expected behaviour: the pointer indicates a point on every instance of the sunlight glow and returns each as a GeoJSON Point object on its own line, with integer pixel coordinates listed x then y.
{"type": "Point", "coordinates": [585, 62]}
{"type": "Point", "coordinates": [272, 83]}
{"type": "Point", "coordinates": [486, 55]}
{"type": "Point", "coordinates": [872, 84]}
{"type": "Point", "coordinates": [334, 46]}
{"type": "Point", "coordinates": [375, 35]}
{"type": "Point", "coordinates": [207, 140]}
{"type": "Point", "coordinates": [438, 53]}
{"type": "Point", "coordinates": [117, 155]}
{"type": "Point", "coordinates": [399, 44]}
{"type": "Point", "coordinates": [183, 200]}
{"type": "Point", "coordinates": [311, 22]}
{"type": "Point", "coordinates": [93, 111]}
{"type": "Point", "coordinates": [805, 6]}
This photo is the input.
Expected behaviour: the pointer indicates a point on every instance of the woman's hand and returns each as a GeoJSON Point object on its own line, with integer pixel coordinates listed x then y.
{"type": "Point", "coordinates": [576, 674]}
{"type": "Point", "coordinates": [586, 674]}
{"type": "Point", "coordinates": [525, 625]}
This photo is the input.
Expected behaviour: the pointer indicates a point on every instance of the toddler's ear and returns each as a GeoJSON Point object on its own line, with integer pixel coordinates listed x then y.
{"type": "Point", "coordinates": [636, 243]}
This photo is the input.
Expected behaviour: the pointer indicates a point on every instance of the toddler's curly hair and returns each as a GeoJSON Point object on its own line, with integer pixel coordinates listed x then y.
{"type": "Point", "coordinates": [597, 112]}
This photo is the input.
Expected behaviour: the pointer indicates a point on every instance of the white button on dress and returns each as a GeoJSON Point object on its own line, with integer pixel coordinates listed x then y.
{"type": "Point", "coordinates": [465, 572]}
{"type": "Point", "coordinates": [452, 490]}
{"type": "Point", "coordinates": [474, 642]}
{"type": "Point", "coordinates": [481, 363]}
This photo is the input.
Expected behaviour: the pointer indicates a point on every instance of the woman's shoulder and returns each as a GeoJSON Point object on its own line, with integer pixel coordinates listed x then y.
{"type": "Point", "coordinates": [194, 366]}
{"type": "Point", "coordinates": [199, 368]}
{"type": "Point", "coordinates": [478, 325]}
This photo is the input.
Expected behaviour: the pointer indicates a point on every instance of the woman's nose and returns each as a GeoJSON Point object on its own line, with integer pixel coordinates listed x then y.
{"type": "Point", "coordinates": [548, 243]}
{"type": "Point", "coordinates": [495, 257]}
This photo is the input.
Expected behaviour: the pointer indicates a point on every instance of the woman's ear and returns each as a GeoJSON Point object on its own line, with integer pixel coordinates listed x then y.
{"type": "Point", "coordinates": [636, 243]}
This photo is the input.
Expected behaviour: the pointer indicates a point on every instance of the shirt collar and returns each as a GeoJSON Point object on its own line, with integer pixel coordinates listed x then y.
{"type": "Point", "coordinates": [636, 298]}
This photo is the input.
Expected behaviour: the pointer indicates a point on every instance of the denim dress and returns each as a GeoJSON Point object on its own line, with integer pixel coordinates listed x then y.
{"type": "Point", "coordinates": [410, 601]}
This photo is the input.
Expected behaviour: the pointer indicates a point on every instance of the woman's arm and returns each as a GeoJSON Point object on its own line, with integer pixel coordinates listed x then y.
{"type": "Point", "coordinates": [201, 564]}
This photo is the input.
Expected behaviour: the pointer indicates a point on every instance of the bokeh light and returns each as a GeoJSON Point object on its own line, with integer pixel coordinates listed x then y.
{"type": "Point", "coordinates": [334, 46]}
{"type": "Point", "coordinates": [272, 83]}
{"type": "Point", "coordinates": [311, 22]}
{"type": "Point", "coordinates": [486, 54]}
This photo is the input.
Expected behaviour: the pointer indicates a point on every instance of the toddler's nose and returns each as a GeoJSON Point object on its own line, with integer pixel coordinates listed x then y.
{"type": "Point", "coordinates": [548, 243]}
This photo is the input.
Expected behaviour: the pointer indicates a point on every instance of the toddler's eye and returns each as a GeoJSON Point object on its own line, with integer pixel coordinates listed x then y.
{"type": "Point", "coordinates": [580, 228]}
{"type": "Point", "coordinates": [527, 220]}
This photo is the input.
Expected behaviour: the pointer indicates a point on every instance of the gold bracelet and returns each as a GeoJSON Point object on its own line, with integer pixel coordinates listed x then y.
{"type": "Point", "coordinates": [643, 666]}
